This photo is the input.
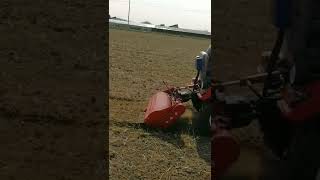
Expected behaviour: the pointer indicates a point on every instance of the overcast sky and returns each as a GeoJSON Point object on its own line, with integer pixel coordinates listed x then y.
{"type": "Point", "coordinates": [190, 14]}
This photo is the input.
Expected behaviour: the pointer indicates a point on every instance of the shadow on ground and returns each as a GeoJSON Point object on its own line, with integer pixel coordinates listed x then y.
{"type": "Point", "coordinates": [173, 135]}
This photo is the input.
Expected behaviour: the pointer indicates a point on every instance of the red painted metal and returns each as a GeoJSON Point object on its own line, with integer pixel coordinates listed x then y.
{"type": "Point", "coordinates": [307, 109]}
{"type": "Point", "coordinates": [225, 150]}
{"type": "Point", "coordinates": [205, 96]}
{"type": "Point", "coordinates": [163, 111]}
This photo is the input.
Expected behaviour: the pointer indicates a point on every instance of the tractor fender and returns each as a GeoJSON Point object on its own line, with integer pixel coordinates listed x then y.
{"type": "Point", "coordinates": [225, 150]}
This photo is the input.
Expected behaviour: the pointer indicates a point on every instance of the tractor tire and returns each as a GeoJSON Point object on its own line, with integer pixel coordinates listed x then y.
{"type": "Point", "coordinates": [276, 131]}
{"type": "Point", "coordinates": [302, 160]}
{"type": "Point", "coordinates": [201, 121]}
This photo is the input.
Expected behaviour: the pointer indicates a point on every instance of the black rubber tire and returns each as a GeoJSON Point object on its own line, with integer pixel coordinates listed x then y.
{"type": "Point", "coordinates": [303, 157]}
{"type": "Point", "coordinates": [200, 121]}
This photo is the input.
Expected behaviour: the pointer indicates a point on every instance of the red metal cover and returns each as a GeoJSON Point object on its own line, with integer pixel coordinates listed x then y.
{"type": "Point", "coordinates": [162, 111]}
{"type": "Point", "coordinates": [206, 95]}
{"type": "Point", "coordinates": [308, 108]}
{"type": "Point", "coordinates": [224, 151]}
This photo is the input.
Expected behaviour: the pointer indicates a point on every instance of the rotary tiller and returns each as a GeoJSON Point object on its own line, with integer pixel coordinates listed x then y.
{"type": "Point", "coordinates": [218, 113]}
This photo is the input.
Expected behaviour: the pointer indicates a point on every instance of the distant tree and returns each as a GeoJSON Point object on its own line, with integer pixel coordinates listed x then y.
{"type": "Point", "coordinates": [146, 22]}
{"type": "Point", "coordinates": [174, 26]}
{"type": "Point", "coordinates": [162, 25]}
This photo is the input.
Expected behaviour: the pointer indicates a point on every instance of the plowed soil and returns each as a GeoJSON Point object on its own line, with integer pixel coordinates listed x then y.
{"type": "Point", "coordinates": [139, 62]}
{"type": "Point", "coordinates": [52, 76]}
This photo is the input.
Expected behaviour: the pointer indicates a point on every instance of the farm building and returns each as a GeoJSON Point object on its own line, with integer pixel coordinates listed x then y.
{"type": "Point", "coordinates": [174, 29]}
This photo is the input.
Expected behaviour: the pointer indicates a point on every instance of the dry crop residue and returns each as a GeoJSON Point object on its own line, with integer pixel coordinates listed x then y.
{"type": "Point", "coordinates": [138, 62]}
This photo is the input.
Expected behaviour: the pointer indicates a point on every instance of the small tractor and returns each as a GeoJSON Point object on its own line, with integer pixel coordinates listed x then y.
{"type": "Point", "coordinates": [286, 105]}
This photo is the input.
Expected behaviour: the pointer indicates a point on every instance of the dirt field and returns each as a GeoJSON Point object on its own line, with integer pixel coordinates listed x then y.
{"type": "Point", "coordinates": [138, 64]}
{"type": "Point", "coordinates": [52, 75]}
{"type": "Point", "coordinates": [52, 80]}
{"type": "Point", "coordinates": [241, 30]}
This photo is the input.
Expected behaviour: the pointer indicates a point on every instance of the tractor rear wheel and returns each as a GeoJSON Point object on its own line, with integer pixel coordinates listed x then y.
{"type": "Point", "coordinates": [201, 121]}
{"type": "Point", "coordinates": [302, 160]}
